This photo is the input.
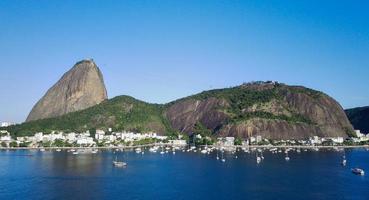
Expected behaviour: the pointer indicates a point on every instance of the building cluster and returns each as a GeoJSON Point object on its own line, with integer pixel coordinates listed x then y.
{"type": "Point", "coordinates": [126, 137]}
{"type": "Point", "coordinates": [258, 140]}
{"type": "Point", "coordinates": [85, 139]}
{"type": "Point", "coordinates": [6, 124]}
{"type": "Point", "coordinates": [360, 137]}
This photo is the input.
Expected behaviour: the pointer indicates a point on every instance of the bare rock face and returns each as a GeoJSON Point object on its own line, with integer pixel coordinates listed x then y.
{"type": "Point", "coordinates": [78, 89]}
{"type": "Point", "coordinates": [184, 114]}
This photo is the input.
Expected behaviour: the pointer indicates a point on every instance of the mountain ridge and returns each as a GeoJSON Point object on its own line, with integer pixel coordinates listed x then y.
{"type": "Point", "coordinates": [269, 109]}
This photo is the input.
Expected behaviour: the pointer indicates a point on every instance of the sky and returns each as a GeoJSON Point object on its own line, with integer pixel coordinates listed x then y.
{"type": "Point", "coordinates": [159, 51]}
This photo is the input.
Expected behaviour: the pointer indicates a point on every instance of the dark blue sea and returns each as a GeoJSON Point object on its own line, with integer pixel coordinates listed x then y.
{"type": "Point", "coordinates": [31, 174]}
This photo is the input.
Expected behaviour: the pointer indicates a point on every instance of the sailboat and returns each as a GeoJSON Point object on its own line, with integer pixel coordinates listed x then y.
{"type": "Point", "coordinates": [217, 154]}
{"type": "Point", "coordinates": [344, 161]}
{"type": "Point", "coordinates": [287, 158]}
{"type": "Point", "coordinates": [117, 163]}
{"type": "Point", "coordinates": [223, 160]}
{"type": "Point", "coordinates": [258, 159]}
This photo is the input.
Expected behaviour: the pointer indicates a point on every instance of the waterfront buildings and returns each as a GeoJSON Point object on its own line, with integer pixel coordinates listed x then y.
{"type": "Point", "coordinates": [6, 124]}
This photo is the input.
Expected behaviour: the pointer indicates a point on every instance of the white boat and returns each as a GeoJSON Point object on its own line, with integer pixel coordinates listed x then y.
{"type": "Point", "coordinates": [287, 158]}
{"type": "Point", "coordinates": [75, 152]}
{"type": "Point", "coordinates": [162, 152]}
{"type": "Point", "coordinates": [344, 161]}
{"type": "Point", "coordinates": [42, 149]}
{"type": "Point", "coordinates": [94, 151]}
{"type": "Point", "coordinates": [358, 171]}
{"type": "Point", "coordinates": [204, 151]}
{"type": "Point", "coordinates": [153, 149]}
{"type": "Point", "coordinates": [138, 150]}
{"type": "Point", "coordinates": [117, 163]}
{"type": "Point", "coordinates": [258, 160]}
{"type": "Point", "coordinates": [58, 150]}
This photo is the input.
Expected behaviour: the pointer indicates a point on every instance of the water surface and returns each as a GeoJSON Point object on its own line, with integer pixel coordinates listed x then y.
{"type": "Point", "coordinates": [31, 174]}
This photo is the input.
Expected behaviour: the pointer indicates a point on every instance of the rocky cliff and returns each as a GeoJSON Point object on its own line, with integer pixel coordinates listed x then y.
{"type": "Point", "coordinates": [269, 109]}
{"type": "Point", "coordinates": [78, 89]}
{"type": "Point", "coordinates": [359, 118]}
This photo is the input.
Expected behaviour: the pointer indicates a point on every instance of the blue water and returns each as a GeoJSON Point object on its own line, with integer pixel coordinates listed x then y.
{"type": "Point", "coordinates": [30, 174]}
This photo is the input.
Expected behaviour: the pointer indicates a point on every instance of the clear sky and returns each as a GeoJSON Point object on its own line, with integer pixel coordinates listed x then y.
{"type": "Point", "coordinates": [159, 51]}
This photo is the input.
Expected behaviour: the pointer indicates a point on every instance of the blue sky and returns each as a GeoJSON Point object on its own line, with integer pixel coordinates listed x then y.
{"type": "Point", "coordinates": [159, 51]}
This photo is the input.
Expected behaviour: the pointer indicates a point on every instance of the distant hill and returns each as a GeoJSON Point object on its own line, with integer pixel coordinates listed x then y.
{"type": "Point", "coordinates": [359, 117]}
{"type": "Point", "coordinates": [269, 109]}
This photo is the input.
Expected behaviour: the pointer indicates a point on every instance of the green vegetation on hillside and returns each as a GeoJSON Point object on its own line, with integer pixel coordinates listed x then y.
{"type": "Point", "coordinates": [359, 118]}
{"type": "Point", "coordinates": [119, 113]}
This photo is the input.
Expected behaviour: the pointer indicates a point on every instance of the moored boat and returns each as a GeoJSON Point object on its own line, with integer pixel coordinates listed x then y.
{"type": "Point", "coordinates": [358, 171]}
{"type": "Point", "coordinates": [117, 163]}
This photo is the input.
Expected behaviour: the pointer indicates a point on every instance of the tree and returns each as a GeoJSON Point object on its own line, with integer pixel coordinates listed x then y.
{"type": "Point", "coordinates": [59, 143]}
{"type": "Point", "coordinates": [238, 141]}
{"type": "Point", "coordinates": [13, 144]}
{"type": "Point", "coordinates": [200, 129]}
{"type": "Point", "coordinates": [3, 144]}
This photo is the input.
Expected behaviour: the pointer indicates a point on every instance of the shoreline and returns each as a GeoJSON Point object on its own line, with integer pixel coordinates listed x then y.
{"type": "Point", "coordinates": [150, 145]}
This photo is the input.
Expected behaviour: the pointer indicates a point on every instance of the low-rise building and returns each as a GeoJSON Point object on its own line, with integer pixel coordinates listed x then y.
{"type": "Point", "coordinates": [178, 142]}
{"type": "Point", "coordinates": [229, 141]}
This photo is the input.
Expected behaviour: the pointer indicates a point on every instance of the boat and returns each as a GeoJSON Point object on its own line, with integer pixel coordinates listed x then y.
{"type": "Point", "coordinates": [94, 151]}
{"type": "Point", "coordinates": [287, 158]}
{"type": "Point", "coordinates": [117, 163]}
{"type": "Point", "coordinates": [344, 162]}
{"type": "Point", "coordinates": [75, 152]}
{"type": "Point", "coordinates": [358, 171]}
{"type": "Point", "coordinates": [138, 150]}
{"type": "Point", "coordinates": [204, 151]}
{"type": "Point", "coordinates": [58, 150]}
{"type": "Point", "coordinates": [223, 160]}
{"type": "Point", "coordinates": [258, 159]}
{"type": "Point", "coordinates": [42, 149]}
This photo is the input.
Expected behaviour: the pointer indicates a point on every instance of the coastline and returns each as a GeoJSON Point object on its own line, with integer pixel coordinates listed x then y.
{"type": "Point", "coordinates": [150, 145]}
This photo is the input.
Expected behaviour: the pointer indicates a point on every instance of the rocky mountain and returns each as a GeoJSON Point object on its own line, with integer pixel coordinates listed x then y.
{"type": "Point", "coordinates": [359, 118]}
{"type": "Point", "coordinates": [78, 89]}
{"type": "Point", "coordinates": [269, 109]}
